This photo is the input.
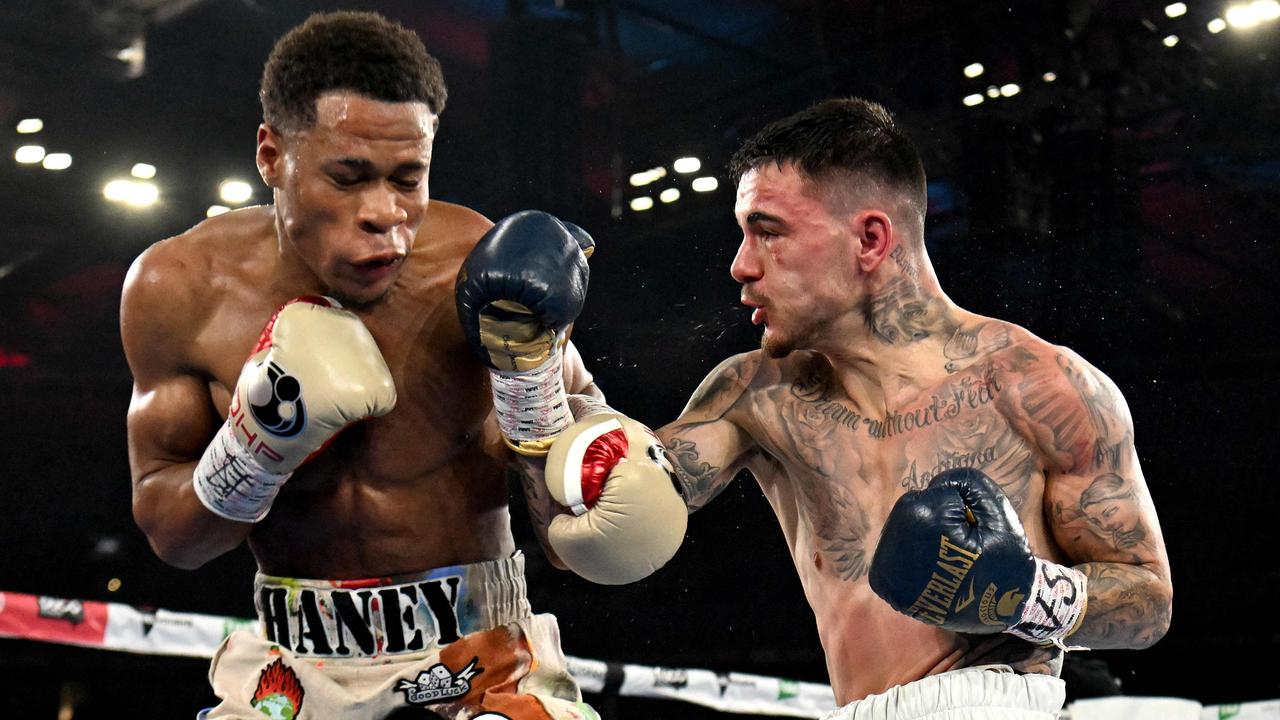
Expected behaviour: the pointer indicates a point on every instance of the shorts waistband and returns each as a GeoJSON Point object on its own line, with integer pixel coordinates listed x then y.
{"type": "Point", "coordinates": [399, 615]}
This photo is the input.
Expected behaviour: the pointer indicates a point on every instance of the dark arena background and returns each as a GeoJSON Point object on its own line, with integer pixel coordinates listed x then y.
{"type": "Point", "coordinates": [1108, 179]}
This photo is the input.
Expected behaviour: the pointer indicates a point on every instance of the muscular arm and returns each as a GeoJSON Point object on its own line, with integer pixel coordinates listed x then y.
{"type": "Point", "coordinates": [706, 447]}
{"type": "Point", "coordinates": [1097, 503]}
{"type": "Point", "coordinates": [171, 419]}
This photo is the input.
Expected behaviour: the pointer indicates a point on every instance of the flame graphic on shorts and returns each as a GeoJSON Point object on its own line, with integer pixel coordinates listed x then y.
{"type": "Point", "coordinates": [278, 681]}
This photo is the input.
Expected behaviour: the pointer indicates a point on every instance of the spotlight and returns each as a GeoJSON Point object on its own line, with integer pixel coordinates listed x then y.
{"type": "Point", "coordinates": [686, 165]}
{"type": "Point", "coordinates": [973, 70]}
{"type": "Point", "coordinates": [29, 154]}
{"type": "Point", "coordinates": [134, 193]}
{"type": "Point", "coordinates": [1049, 77]}
{"type": "Point", "coordinates": [235, 191]}
{"type": "Point", "coordinates": [143, 171]}
{"type": "Point", "coordinates": [216, 210]}
{"type": "Point", "coordinates": [974, 99]}
{"type": "Point", "coordinates": [26, 126]}
{"type": "Point", "coordinates": [705, 184]}
{"type": "Point", "coordinates": [57, 161]}
{"type": "Point", "coordinates": [1170, 40]}
{"type": "Point", "coordinates": [1266, 9]}
{"type": "Point", "coordinates": [669, 195]}
{"type": "Point", "coordinates": [1010, 89]}
{"type": "Point", "coordinates": [1175, 9]}
{"type": "Point", "coordinates": [1217, 25]}
{"type": "Point", "coordinates": [641, 204]}
{"type": "Point", "coordinates": [645, 177]}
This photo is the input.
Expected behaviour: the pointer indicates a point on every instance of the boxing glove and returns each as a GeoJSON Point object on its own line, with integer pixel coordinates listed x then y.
{"type": "Point", "coordinates": [955, 555]}
{"type": "Point", "coordinates": [628, 518]}
{"type": "Point", "coordinates": [315, 370]}
{"type": "Point", "coordinates": [517, 293]}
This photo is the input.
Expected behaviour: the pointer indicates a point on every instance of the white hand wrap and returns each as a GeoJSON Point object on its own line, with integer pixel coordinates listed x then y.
{"type": "Point", "coordinates": [1055, 605]}
{"type": "Point", "coordinates": [231, 483]}
{"type": "Point", "coordinates": [531, 406]}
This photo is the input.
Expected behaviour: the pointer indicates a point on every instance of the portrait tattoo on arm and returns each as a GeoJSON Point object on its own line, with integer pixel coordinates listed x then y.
{"type": "Point", "coordinates": [1100, 510]}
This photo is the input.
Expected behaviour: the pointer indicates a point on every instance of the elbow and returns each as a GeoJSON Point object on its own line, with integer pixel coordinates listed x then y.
{"type": "Point", "coordinates": [170, 549]}
{"type": "Point", "coordinates": [167, 542]}
{"type": "Point", "coordinates": [1161, 595]}
{"type": "Point", "coordinates": [175, 554]}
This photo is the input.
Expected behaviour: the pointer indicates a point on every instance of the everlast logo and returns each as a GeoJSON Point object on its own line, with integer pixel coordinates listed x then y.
{"type": "Point", "coordinates": [351, 621]}
{"type": "Point", "coordinates": [935, 601]}
{"type": "Point", "coordinates": [997, 612]}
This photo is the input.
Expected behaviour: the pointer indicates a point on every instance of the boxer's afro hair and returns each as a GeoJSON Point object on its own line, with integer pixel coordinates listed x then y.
{"type": "Point", "coordinates": [362, 52]}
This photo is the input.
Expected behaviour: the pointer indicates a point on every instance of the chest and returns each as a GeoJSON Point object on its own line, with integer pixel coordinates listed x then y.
{"type": "Point", "coordinates": [833, 451]}
{"type": "Point", "coordinates": [442, 399]}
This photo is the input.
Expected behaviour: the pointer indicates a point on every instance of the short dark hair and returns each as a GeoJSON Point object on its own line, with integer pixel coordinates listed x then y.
{"type": "Point", "coordinates": [362, 52]}
{"type": "Point", "coordinates": [835, 137]}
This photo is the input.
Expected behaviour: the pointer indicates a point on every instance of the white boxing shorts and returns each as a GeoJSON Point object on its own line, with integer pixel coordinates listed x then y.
{"type": "Point", "coordinates": [989, 692]}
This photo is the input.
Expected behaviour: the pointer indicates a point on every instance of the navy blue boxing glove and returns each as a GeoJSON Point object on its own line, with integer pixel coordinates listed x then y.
{"type": "Point", "coordinates": [517, 293]}
{"type": "Point", "coordinates": [955, 555]}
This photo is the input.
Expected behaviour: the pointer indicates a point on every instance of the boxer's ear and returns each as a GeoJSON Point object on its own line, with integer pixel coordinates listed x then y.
{"type": "Point", "coordinates": [270, 155]}
{"type": "Point", "coordinates": [874, 231]}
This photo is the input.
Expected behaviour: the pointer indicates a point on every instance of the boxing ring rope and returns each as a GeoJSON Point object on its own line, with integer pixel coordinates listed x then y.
{"type": "Point", "coordinates": [115, 626]}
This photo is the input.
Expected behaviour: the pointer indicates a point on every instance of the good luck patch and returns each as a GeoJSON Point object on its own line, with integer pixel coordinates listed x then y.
{"type": "Point", "coordinates": [438, 683]}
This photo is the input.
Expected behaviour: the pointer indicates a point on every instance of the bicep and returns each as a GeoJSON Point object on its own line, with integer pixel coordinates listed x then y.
{"type": "Point", "coordinates": [171, 415]}
{"type": "Point", "coordinates": [705, 456]}
{"type": "Point", "coordinates": [170, 421]}
{"type": "Point", "coordinates": [1100, 508]}
{"type": "Point", "coordinates": [707, 445]}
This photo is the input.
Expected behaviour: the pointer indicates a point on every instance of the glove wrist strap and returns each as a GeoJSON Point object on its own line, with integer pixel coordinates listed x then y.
{"type": "Point", "coordinates": [1054, 607]}
{"type": "Point", "coordinates": [231, 483]}
{"type": "Point", "coordinates": [531, 406]}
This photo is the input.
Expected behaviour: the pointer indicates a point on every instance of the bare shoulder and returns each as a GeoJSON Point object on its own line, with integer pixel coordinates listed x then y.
{"type": "Point", "coordinates": [451, 228]}
{"type": "Point", "coordinates": [168, 290]}
{"type": "Point", "coordinates": [1072, 410]}
{"type": "Point", "coordinates": [729, 381]}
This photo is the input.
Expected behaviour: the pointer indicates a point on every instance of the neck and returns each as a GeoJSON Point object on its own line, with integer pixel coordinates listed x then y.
{"type": "Point", "coordinates": [894, 341]}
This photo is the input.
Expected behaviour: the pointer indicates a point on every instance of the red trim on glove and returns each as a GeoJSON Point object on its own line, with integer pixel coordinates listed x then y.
{"type": "Point", "coordinates": [598, 460]}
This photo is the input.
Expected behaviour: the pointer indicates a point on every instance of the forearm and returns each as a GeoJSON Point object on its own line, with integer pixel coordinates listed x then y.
{"type": "Point", "coordinates": [181, 530]}
{"type": "Point", "coordinates": [1129, 607]}
{"type": "Point", "coordinates": [542, 507]}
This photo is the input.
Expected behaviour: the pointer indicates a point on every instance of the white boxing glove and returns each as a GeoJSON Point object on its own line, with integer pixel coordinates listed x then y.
{"type": "Point", "coordinates": [315, 370]}
{"type": "Point", "coordinates": [629, 519]}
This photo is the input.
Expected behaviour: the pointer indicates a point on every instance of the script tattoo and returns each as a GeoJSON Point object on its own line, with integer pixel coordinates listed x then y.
{"type": "Point", "coordinates": [813, 387]}
{"type": "Point", "coordinates": [905, 262]}
{"type": "Point", "coordinates": [917, 480]}
{"type": "Point", "coordinates": [967, 394]}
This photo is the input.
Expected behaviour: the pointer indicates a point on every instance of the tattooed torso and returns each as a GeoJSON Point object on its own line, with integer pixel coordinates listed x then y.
{"type": "Point", "coordinates": [838, 469]}
{"type": "Point", "coordinates": [1005, 402]}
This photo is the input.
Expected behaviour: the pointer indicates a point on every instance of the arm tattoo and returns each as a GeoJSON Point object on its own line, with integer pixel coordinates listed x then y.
{"type": "Point", "coordinates": [697, 478]}
{"type": "Point", "coordinates": [542, 507]}
{"type": "Point", "coordinates": [1127, 607]}
{"type": "Point", "coordinates": [1111, 507]}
